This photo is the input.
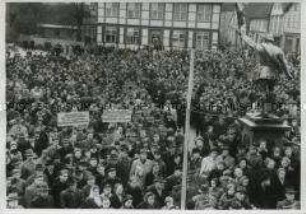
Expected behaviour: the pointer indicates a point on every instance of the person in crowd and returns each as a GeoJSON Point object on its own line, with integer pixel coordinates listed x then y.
{"type": "Point", "coordinates": [118, 197]}
{"type": "Point", "coordinates": [72, 197]}
{"type": "Point", "coordinates": [128, 202]}
{"type": "Point", "coordinates": [148, 202]}
{"type": "Point", "coordinates": [93, 200]}
{"type": "Point", "coordinates": [289, 202]}
{"type": "Point", "coordinates": [60, 184]}
{"type": "Point", "coordinates": [43, 199]}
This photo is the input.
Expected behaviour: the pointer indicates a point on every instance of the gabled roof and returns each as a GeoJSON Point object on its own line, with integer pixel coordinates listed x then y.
{"type": "Point", "coordinates": [226, 7]}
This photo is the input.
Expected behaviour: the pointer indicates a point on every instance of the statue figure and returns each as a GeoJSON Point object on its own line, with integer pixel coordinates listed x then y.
{"type": "Point", "coordinates": [272, 64]}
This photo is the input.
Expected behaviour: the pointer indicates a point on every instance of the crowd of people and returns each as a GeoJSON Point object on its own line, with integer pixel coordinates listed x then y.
{"type": "Point", "coordinates": [226, 171]}
{"type": "Point", "coordinates": [138, 164]}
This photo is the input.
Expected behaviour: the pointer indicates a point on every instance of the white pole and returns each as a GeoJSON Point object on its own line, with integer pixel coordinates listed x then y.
{"type": "Point", "coordinates": [187, 131]}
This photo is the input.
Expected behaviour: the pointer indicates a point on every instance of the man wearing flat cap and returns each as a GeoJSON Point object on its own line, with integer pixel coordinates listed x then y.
{"type": "Point", "coordinates": [111, 177]}
{"type": "Point", "coordinates": [289, 202]}
{"type": "Point", "coordinates": [158, 189]}
{"type": "Point", "coordinates": [28, 167]}
{"type": "Point", "coordinates": [128, 202]}
{"type": "Point", "coordinates": [72, 196]}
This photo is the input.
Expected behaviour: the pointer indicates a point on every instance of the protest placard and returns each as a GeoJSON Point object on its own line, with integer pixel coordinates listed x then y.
{"type": "Point", "coordinates": [73, 118]}
{"type": "Point", "coordinates": [117, 116]}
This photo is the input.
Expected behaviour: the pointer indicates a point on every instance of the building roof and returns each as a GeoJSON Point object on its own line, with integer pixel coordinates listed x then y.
{"type": "Point", "coordinates": [286, 6]}
{"type": "Point", "coordinates": [258, 10]}
{"type": "Point", "coordinates": [226, 7]}
{"type": "Point", "coordinates": [252, 10]}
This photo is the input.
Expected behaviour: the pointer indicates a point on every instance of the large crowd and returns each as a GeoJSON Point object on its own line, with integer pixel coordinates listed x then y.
{"type": "Point", "coordinates": [138, 164]}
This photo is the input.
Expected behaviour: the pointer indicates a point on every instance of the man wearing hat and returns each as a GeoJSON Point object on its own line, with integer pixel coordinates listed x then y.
{"type": "Point", "coordinates": [49, 172]}
{"type": "Point", "coordinates": [13, 153]}
{"type": "Point", "coordinates": [225, 157]}
{"type": "Point", "coordinates": [71, 197]}
{"type": "Point", "coordinates": [128, 202]}
{"type": "Point", "coordinates": [42, 199]}
{"type": "Point", "coordinates": [39, 171]}
{"type": "Point", "coordinates": [28, 167]}
{"type": "Point", "coordinates": [289, 203]}
{"type": "Point", "coordinates": [169, 204]}
{"type": "Point", "coordinates": [32, 190]}
{"type": "Point", "coordinates": [123, 165]}
{"type": "Point", "coordinates": [157, 158]}
{"type": "Point", "coordinates": [267, 193]}
{"type": "Point", "coordinates": [60, 184]}
{"type": "Point", "coordinates": [111, 177]}
{"type": "Point", "coordinates": [148, 202]}
{"type": "Point", "coordinates": [90, 184]}
{"type": "Point", "coordinates": [158, 189]}
{"type": "Point", "coordinates": [107, 191]}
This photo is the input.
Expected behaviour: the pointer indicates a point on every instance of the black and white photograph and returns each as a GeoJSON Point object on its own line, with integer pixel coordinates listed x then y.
{"type": "Point", "coordinates": [153, 105]}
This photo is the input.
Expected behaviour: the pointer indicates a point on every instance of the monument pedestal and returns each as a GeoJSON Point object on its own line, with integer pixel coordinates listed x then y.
{"type": "Point", "coordinates": [256, 128]}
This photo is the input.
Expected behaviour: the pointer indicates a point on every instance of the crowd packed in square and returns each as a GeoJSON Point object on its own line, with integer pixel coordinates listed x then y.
{"type": "Point", "coordinates": [138, 164]}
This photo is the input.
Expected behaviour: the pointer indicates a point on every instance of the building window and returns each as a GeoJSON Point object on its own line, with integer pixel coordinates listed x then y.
{"type": "Point", "coordinates": [156, 38]}
{"type": "Point", "coordinates": [157, 11]}
{"type": "Point", "coordinates": [204, 13]}
{"type": "Point", "coordinates": [180, 12]}
{"type": "Point", "coordinates": [112, 9]}
{"type": "Point", "coordinates": [202, 40]}
{"type": "Point", "coordinates": [133, 10]}
{"type": "Point", "coordinates": [132, 36]}
{"type": "Point", "coordinates": [178, 39]}
{"type": "Point", "coordinates": [111, 35]}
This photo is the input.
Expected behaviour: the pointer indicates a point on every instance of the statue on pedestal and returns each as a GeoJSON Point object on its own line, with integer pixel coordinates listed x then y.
{"type": "Point", "coordinates": [272, 64]}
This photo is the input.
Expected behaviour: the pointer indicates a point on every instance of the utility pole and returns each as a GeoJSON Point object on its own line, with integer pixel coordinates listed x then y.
{"type": "Point", "coordinates": [187, 131]}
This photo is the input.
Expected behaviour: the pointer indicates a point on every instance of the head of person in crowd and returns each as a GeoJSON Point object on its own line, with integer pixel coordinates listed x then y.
{"type": "Point", "coordinates": [64, 175]}
{"type": "Point", "coordinates": [107, 190]}
{"type": "Point", "coordinates": [270, 163]}
{"type": "Point", "coordinates": [277, 152]}
{"type": "Point", "coordinates": [94, 193]}
{"type": "Point", "coordinates": [159, 184]}
{"type": "Point", "coordinates": [106, 203]}
{"type": "Point", "coordinates": [118, 189]}
{"type": "Point", "coordinates": [288, 151]}
{"type": "Point", "coordinates": [149, 198]}
{"type": "Point", "coordinates": [290, 194]}
{"type": "Point", "coordinates": [285, 162]}
{"type": "Point", "coordinates": [29, 155]}
{"type": "Point", "coordinates": [128, 202]}
{"type": "Point", "coordinates": [143, 155]}
{"type": "Point", "coordinates": [221, 166]}
{"type": "Point", "coordinates": [214, 152]}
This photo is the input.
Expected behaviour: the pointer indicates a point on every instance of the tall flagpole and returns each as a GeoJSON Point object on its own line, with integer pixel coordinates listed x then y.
{"type": "Point", "coordinates": [187, 131]}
